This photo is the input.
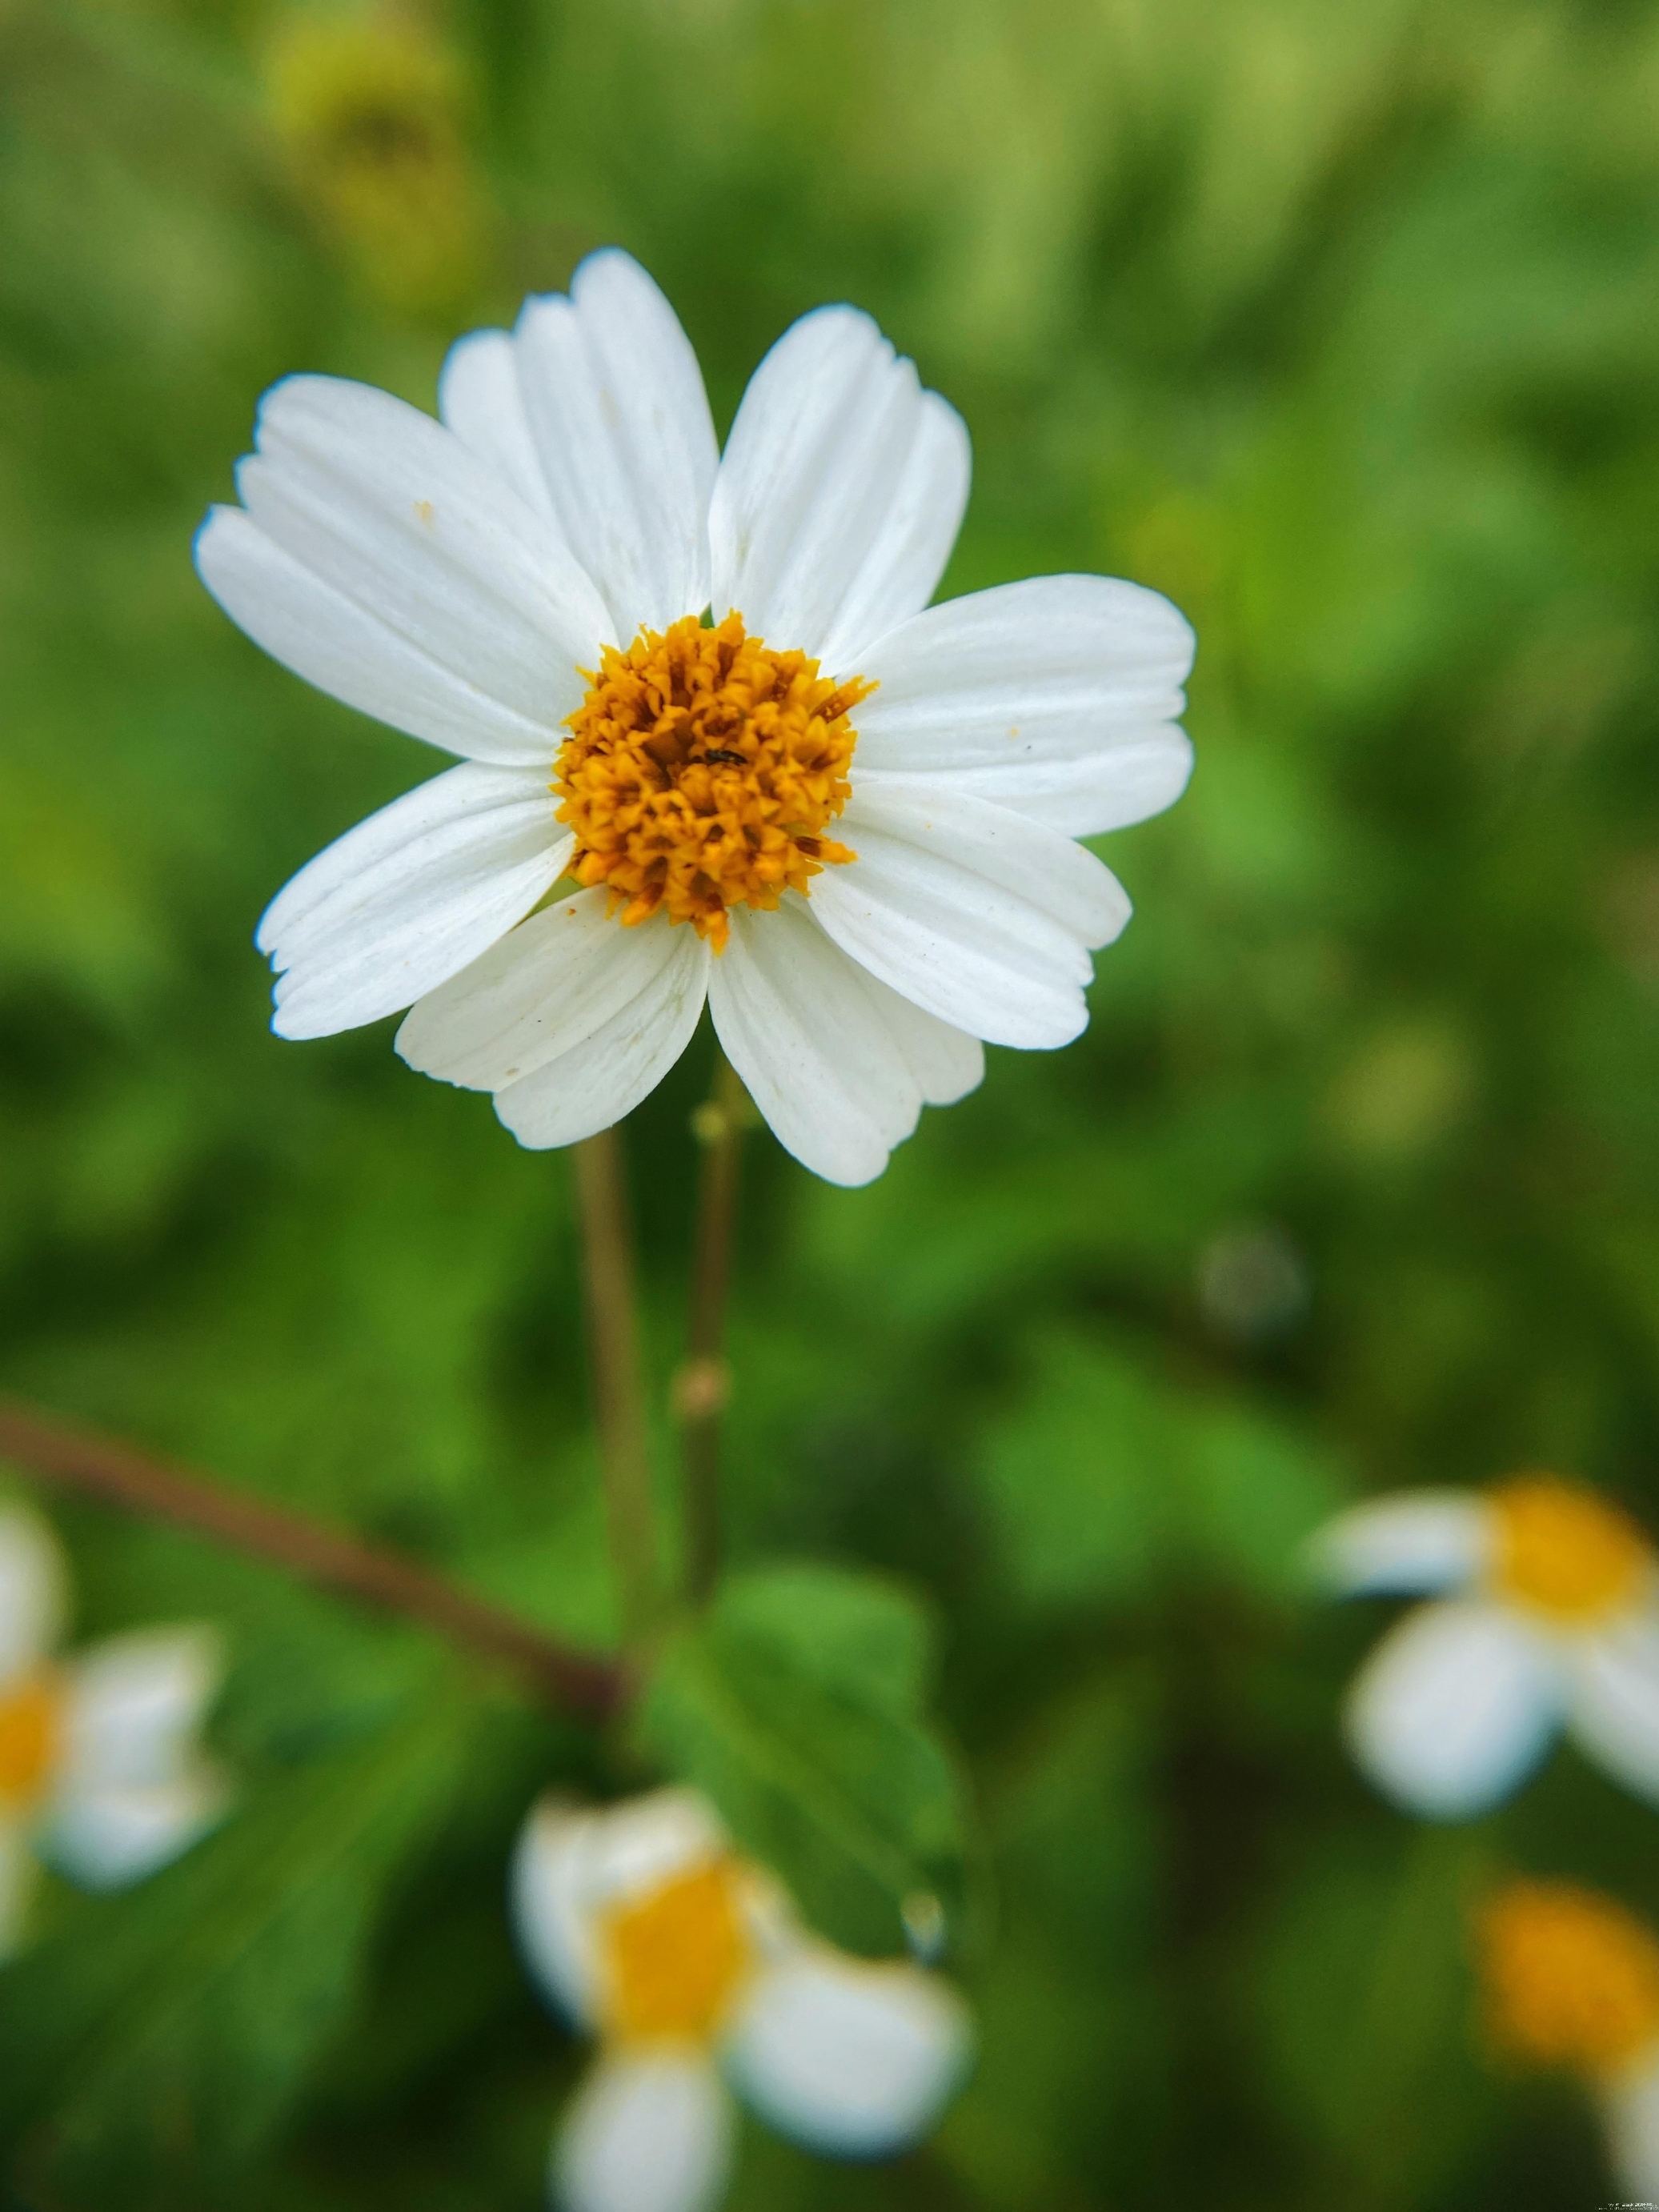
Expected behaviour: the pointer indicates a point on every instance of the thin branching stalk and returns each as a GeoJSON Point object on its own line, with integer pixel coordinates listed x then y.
{"type": "Point", "coordinates": [613, 1352]}
{"type": "Point", "coordinates": [117, 1475]}
{"type": "Point", "coordinates": [703, 1383]}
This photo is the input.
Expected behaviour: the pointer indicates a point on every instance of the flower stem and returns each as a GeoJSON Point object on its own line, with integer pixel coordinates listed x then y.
{"type": "Point", "coordinates": [117, 1475]}
{"type": "Point", "coordinates": [613, 1352]}
{"type": "Point", "coordinates": [703, 1383]}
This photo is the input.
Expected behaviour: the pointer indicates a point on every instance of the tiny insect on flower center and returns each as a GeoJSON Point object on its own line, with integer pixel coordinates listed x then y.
{"type": "Point", "coordinates": [31, 1736]}
{"type": "Point", "coordinates": [700, 772]}
{"type": "Point", "coordinates": [1570, 1978]}
{"type": "Point", "coordinates": [1565, 1552]}
{"type": "Point", "coordinates": [675, 1958]}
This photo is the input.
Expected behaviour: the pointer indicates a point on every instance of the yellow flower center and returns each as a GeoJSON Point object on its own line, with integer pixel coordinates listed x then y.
{"type": "Point", "coordinates": [675, 1957]}
{"type": "Point", "coordinates": [701, 771]}
{"type": "Point", "coordinates": [1564, 1552]}
{"type": "Point", "coordinates": [1570, 1978]}
{"type": "Point", "coordinates": [31, 1734]}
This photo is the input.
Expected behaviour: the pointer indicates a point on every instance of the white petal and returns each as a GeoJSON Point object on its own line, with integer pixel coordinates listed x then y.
{"type": "Point", "coordinates": [570, 1862]}
{"type": "Point", "coordinates": [594, 1084]}
{"type": "Point", "coordinates": [817, 1053]}
{"type": "Point", "coordinates": [1057, 696]}
{"type": "Point", "coordinates": [1615, 1702]}
{"type": "Point", "coordinates": [350, 653]}
{"type": "Point", "coordinates": [944, 1063]}
{"type": "Point", "coordinates": [603, 388]}
{"type": "Point", "coordinates": [18, 1869]}
{"type": "Point", "coordinates": [34, 1590]}
{"type": "Point", "coordinates": [849, 2058]}
{"type": "Point", "coordinates": [1060, 878]}
{"type": "Point", "coordinates": [105, 1839]}
{"type": "Point", "coordinates": [649, 2130]}
{"type": "Point", "coordinates": [570, 1020]}
{"type": "Point", "coordinates": [479, 399]}
{"type": "Point", "coordinates": [970, 910]}
{"type": "Point", "coordinates": [1417, 1541]}
{"type": "Point", "coordinates": [1630, 2103]}
{"type": "Point", "coordinates": [547, 1889]}
{"type": "Point", "coordinates": [385, 562]}
{"type": "Point", "coordinates": [549, 985]}
{"type": "Point", "coordinates": [134, 1706]}
{"type": "Point", "coordinates": [406, 899]}
{"type": "Point", "coordinates": [840, 495]}
{"type": "Point", "coordinates": [1455, 1707]}
{"type": "Point", "coordinates": [135, 1789]}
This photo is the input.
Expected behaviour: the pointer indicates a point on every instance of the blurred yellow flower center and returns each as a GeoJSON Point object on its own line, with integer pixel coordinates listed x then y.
{"type": "Point", "coordinates": [676, 1957]}
{"type": "Point", "coordinates": [1564, 1552]}
{"type": "Point", "coordinates": [31, 1730]}
{"type": "Point", "coordinates": [1570, 1978]}
{"type": "Point", "coordinates": [701, 771]}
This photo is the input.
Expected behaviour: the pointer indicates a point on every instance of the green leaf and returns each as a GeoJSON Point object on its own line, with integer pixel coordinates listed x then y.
{"type": "Point", "coordinates": [1255, 1490]}
{"type": "Point", "coordinates": [1362, 2007]}
{"type": "Point", "coordinates": [171, 2031]}
{"type": "Point", "coordinates": [1076, 1477]}
{"type": "Point", "coordinates": [798, 1705]}
{"type": "Point", "coordinates": [1108, 1476]}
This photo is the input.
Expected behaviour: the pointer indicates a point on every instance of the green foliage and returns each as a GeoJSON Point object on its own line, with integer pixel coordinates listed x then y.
{"type": "Point", "coordinates": [1104, 1478]}
{"type": "Point", "coordinates": [1336, 325]}
{"type": "Point", "coordinates": [155, 2040]}
{"type": "Point", "coordinates": [798, 1704]}
{"type": "Point", "coordinates": [1379, 2066]}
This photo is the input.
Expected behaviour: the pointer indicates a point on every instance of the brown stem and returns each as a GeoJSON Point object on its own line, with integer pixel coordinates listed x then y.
{"type": "Point", "coordinates": [115, 1472]}
{"type": "Point", "coordinates": [703, 1383]}
{"type": "Point", "coordinates": [613, 1351]}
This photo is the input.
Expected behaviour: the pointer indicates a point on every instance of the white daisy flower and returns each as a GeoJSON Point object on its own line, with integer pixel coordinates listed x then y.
{"type": "Point", "coordinates": [1570, 1979]}
{"type": "Point", "coordinates": [1550, 1621]}
{"type": "Point", "coordinates": [845, 823]}
{"type": "Point", "coordinates": [100, 1772]}
{"type": "Point", "coordinates": [642, 1926]}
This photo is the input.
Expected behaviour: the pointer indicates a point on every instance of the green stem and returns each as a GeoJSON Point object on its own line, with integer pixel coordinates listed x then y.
{"type": "Point", "coordinates": [703, 1383]}
{"type": "Point", "coordinates": [613, 1351]}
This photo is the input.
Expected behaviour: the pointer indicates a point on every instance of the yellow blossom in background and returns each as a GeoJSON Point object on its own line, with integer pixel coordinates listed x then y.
{"type": "Point", "coordinates": [369, 112]}
{"type": "Point", "coordinates": [1570, 1979]}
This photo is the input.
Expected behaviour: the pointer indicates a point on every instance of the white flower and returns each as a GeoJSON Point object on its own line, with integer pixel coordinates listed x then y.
{"type": "Point", "coordinates": [1549, 1622]}
{"type": "Point", "coordinates": [521, 583]}
{"type": "Point", "coordinates": [100, 1769]}
{"type": "Point", "coordinates": [642, 1926]}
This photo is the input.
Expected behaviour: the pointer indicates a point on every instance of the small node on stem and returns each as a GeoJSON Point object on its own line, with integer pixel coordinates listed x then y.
{"type": "Point", "coordinates": [701, 1388]}
{"type": "Point", "coordinates": [723, 1118]}
{"type": "Point", "coordinates": [710, 1123]}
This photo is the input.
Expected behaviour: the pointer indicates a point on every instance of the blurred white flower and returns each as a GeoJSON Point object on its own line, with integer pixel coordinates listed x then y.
{"type": "Point", "coordinates": [522, 583]}
{"type": "Point", "coordinates": [1570, 1979]}
{"type": "Point", "coordinates": [1549, 1622]}
{"type": "Point", "coordinates": [101, 1771]}
{"type": "Point", "coordinates": [642, 1926]}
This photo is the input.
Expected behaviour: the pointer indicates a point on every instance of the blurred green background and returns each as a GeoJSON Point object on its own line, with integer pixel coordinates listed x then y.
{"type": "Point", "coordinates": [1337, 326]}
